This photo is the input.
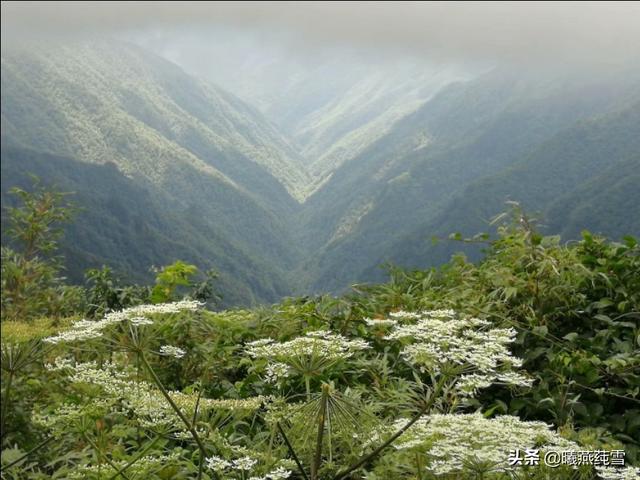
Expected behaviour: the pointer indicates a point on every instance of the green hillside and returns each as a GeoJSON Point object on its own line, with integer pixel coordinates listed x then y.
{"type": "Point", "coordinates": [584, 176]}
{"type": "Point", "coordinates": [196, 160]}
{"type": "Point", "coordinates": [166, 166]}
{"type": "Point", "coordinates": [479, 133]}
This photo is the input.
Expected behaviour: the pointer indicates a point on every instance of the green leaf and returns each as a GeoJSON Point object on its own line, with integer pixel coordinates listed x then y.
{"type": "Point", "coordinates": [541, 331]}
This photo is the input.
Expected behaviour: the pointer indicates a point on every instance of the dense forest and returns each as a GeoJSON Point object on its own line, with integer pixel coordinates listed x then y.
{"type": "Point", "coordinates": [169, 167]}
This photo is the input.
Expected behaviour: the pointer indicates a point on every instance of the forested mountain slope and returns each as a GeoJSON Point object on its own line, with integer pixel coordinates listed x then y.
{"type": "Point", "coordinates": [585, 176]}
{"type": "Point", "coordinates": [477, 133]}
{"type": "Point", "coordinates": [332, 107]}
{"type": "Point", "coordinates": [346, 168]}
{"type": "Point", "coordinates": [142, 143]}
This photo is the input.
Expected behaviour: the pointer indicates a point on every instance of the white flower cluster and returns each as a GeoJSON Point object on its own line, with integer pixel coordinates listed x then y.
{"type": "Point", "coordinates": [321, 343]}
{"type": "Point", "coordinates": [68, 416]}
{"type": "Point", "coordinates": [380, 322]}
{"type": "Point", "coordinates": [140, 321]}
{"type": "Point", "coordinates": [244, 464]}
{"type": "Point", "coordinates": [171, 351]}
{"type": "Point", "coordinates": [143, 399]}
{"type": "Point", "coordinates": [88, 329]}
{"type": "Point", "coordinates": [279, 473]}
{"type": "Point", "coordinates": [453, 442]}
{"type": "Point", "coordinates": [480, 355]}
{"type": "Point", "coordinates": [404, 315]}
{"type": "Point", "coordinates": [141, 468]}
{"type": "Point", "coordinates": [611, 473]}
{"type": "Point", "coordinates": [276, 371]}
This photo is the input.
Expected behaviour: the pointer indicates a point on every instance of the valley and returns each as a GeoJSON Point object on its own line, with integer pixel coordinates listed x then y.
{"type": "Point", "coordinates": [303, 180]}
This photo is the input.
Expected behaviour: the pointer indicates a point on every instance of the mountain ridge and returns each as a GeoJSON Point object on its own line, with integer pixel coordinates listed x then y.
{"type": "Point", "coordinates": [170, 166]}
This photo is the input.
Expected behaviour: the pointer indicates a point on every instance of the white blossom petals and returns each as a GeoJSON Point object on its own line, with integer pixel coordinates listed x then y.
{"type": "Point", "coordinates": [87, 329]}
{"type": "Point", "coordinates": [171, 351]}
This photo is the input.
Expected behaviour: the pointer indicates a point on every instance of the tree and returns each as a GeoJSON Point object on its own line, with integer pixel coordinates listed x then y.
{"type": "Point", "coordinates": [31, 285]}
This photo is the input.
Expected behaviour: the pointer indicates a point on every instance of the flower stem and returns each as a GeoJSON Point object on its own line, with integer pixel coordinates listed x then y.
{"type": "Point", "coordinates": [103, 455]}
{"type": "Point", "coordinates": [292, 451]}
{"type": "Point", "coordinates": [185, 420]}
{"type": "Point", "coordinates": [5, 403]}
{"type": "Point", "coordinates": [140, 455]}
{"type": "Point", "coordinates": [315, 465]}
{"type": "Point", "coordinates": [307, 386]}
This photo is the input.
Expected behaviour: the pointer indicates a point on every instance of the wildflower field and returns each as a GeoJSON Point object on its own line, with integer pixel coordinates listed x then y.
{"type": "Point", "coordinates": [437, 374]}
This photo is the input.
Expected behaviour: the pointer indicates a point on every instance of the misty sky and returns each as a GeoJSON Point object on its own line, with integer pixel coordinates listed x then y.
{"type": "Point", "coordinates": [597, 33]}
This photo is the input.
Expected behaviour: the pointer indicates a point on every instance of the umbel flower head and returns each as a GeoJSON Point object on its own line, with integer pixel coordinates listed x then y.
{"type": "Point", "coordinates": [87, 329]}
{"type": "Point", "coordinates": [319, 343]}
{"type": "Point", "coordinates": [142, 468]}
{"type": "Point", "coordinates": [308, 354]}
{"type": "Point", "coordinates": [455, 442]}
{"type": "Point", "coordinates": [171, 351]}
{"type": "Point", "coordinates": [141, 398]}
{"type": "Point", "coordinates": [242, 465]}
{"type": "Point", "coordinates": [611, 473]}
{"type": "Point", "coordinates": [465, 347]}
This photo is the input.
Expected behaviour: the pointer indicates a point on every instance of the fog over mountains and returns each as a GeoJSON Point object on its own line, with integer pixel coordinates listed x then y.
{"type": "Point", "coordinates": [290, 174]}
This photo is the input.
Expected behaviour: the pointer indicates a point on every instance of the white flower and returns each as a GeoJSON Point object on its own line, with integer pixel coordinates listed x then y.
{"type": "Point", "coordinates": [276, 371]}
{"type": "Point", "coordinates": [380, 322]}
{"type": "Point", "coordinates": [139, 321]}
{"type": "Point", "coordinates": [261, 342]}
{"type": "Point", "coordinates": [147, 404]}
{"type": "Point", "coordinates": [86, 330]}
{"type": "Point", "coordinates": [278, 474]}
{"type": "Point", "coordinates": [454, 441]}
{"type": "Point", "coordinates": [171, 351]}
{"type": "Point", "coordinates": [611, 473]}
{"type": "Point", "coordinates": [59, 363]}
{"type": "Point", "coordinates": [470, 384]}
{"type": "Point", "coordinates": [142, 468]}
{"type": "Point", "coordinates": [244, 463]}
{"type": "Point", "coordinates": [439, 341]}
{"type": "Point", "coordinates": [216, 463]}
{"type": "Point", "coordinates": [319, 344]}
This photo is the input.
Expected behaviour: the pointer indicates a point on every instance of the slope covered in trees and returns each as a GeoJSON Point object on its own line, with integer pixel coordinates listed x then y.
{"type": "Point", "coordinates": [163, 165]}
{"type": "Point", "coordinates": [498, 138]}
{"type": "Point", "coordinates": [327, 183]}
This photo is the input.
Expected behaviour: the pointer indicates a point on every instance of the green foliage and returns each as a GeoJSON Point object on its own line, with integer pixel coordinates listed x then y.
{"type": "Point", "coordinates": [31, 282]}
{"type": "Point", "coordinates": [169, 278]}
{"type": "Point", "coordinates": [105, 294]}
{"type": "Point", "coordinates": [35, 224]}
{"type": "Point", "coordinates": [574, 308]}
{"type": "Point", "coordinates": [577, 309]}
{"type": "Point", "coordinates": [203, 290]}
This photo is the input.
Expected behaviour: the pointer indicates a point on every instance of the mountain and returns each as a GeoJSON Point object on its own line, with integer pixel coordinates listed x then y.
{"type": "Point", "coordinates": [200, 172]}
{"type": "Point", "coordinates": [331, 106]}
{"type": "Point", "coordinates": [353, 111]}
{"type": "Point", "coordinates": [97, 102]}
{"type": "Point", "coordinates": [387, 203]}
{"type": "Point", "coordinates": [585, 176]}
{"type": "Point", "coordinates": [132, 228]}
{"type": "Point", "coordinates": [338, 168]}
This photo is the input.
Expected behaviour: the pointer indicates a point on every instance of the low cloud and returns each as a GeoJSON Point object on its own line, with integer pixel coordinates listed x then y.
{"type": "Point", "coordinates": [554, 32]}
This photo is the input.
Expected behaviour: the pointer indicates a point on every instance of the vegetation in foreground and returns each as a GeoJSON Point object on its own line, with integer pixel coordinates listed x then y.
{"type": "Point", "coordinates": [435, 374]}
